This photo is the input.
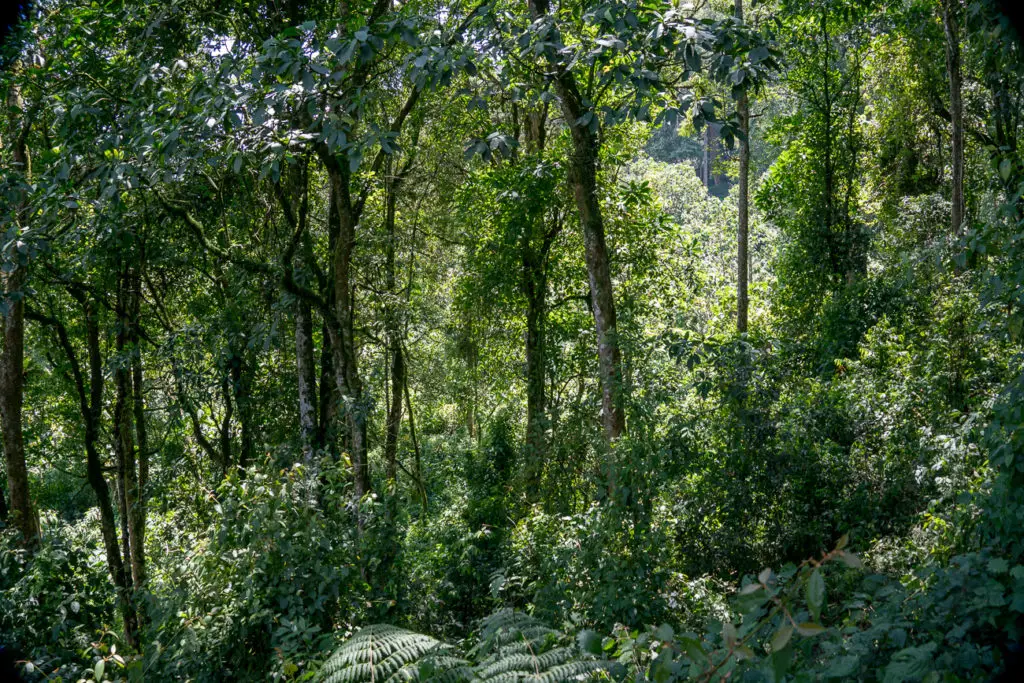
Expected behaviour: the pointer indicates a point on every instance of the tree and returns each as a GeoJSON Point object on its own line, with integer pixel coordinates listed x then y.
{"type": "Point", "coordinates": [956, 111]}
{"type": "Point", "coordinates": [15, 280]}
{"type": "Point", "coordinates": [743, 223]}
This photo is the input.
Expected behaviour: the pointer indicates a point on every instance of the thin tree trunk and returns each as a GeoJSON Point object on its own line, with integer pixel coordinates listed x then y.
{"type": "Point", "coordinates": [225, 423]}
{"type": "Point", "coordinates": [124, 440]}
{"type": "Point", "coordinates": [415, 443]}
{"type": "Point", "coordinates": [142, 438]}
{"type": "Point", "coordinates": [328, 408]}
{"type": "Point", "coordinates": [241, 390]}
{"type": "Point", "coordinates": [394, 334]}
{"type": "Point", "coordinates": [122, 517]}
{"type": "Point", "coordinates": [582, 176]}
{"type": "Point", "coordinates": [536, 404]}
{"type": "Point", "coordinates": [92, 411]}
{"type": "Point", "coordinates": [949, 23]}
{"type": "Point", "coordinates": [108, 525]}
{"type": "Point", "coordinates": [12, 360]}
{"type": "Point", "coordinates": [306, 366]}
{"type": "Point", "coordinates": [742, 274]}
{"type": "Point", "coordinates": [90, 402]}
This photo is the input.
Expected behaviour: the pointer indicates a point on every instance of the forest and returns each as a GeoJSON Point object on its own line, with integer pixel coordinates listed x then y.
{"type": "Point", "coordinates": [385, 341]}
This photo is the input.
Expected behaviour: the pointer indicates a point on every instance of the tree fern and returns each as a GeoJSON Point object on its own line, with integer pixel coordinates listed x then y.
{"type": "Point", "coordinates": [513, 647]}
{"type": "Point", "coordinates": [387, 654]}
{"type": "Point", "coordinates": [516, 647]}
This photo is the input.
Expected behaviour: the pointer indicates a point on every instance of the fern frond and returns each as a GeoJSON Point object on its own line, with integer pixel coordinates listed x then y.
{"type": "Point", "coordinates": [387, 654]}
{"type": "Point", "coordinates": [516, 647]}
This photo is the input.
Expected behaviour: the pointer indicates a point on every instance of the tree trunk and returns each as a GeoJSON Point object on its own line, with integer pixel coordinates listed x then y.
{"type": "Point", "coordinates": [241, 390]}
{"type": "Point", "coordinates": [306, 366]}
{"type": "Point", "coordinates": [949, 23]}
{"type": "Point", "coordinates": [124, 438]}
{"type": "Point", "coordinates": [12, 360]}
{"type": "Point", "coordinates": [742, 274]}
{"type": "Point", "coordinates": [12, 372]}
{"type": "Point", "coordinates": [122, 506]}
{"type": "Point", "coordinates": [138, 402]}
{"type": "Point", "coordinates": [420, 484]}
{"type": "Point", "coordinates": [536, 404]}
{"type": "Point", "coordinates": [582, 173]}
{"type": "Point", "coordinates": [394, 335]}
{"type": "Point", "coordinates": [142, 438]}
{"type": "Point", "coordinates": [328, 408]}
{"type": "Point", "coordinates": [582, 176]}
{"type": "Point", "coordinates": [92, 410]}
{"type": "Point", "coordinates": [344, 217]}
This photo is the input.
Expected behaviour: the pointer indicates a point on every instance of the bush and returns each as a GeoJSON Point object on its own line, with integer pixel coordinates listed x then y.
{"type": "Point", "coordinates": [259, 591]}
{"type": "Point", "coordinates": [56, 603]}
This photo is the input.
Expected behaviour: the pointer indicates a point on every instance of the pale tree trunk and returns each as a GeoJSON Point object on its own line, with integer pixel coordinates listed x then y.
{"type": "Point", "coordinates": [295, 194]}
{"type": "Point", "coordinates": [344, 219]}
{"type": "Point", "coordinates": [12, 360]}
{"type": "Point", "coordinates": [582, 175]}
{"type": "Point", "coordinates": [742, 261]}
{"type": "Point", "coordinates": [956, 111]}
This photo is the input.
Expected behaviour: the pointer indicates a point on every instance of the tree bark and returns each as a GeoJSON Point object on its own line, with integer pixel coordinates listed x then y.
{"type": "Point", "coordinates": [743, 225]}
{"type": "Point", "coordinates": [328, 407]}
{"type": "Point", "coordinates": [306, 366]}
{"type": "Point", "coordinates": [535, 285]}
{"type": "Point", "coordinates": [343, 218]}
{"type": "Point", "coordinates": [949, 23]}
{"type": "Point", "coordinates": [241, 391]}
{"type": "Point", "coordinates": [90, 403]}
{"type": "Point", "coordinates": [12, 360]}
{"type": "Point", "coordinates": [124, 438]}
{"type": "Point", "coordinates": [394, 419]}
{"type": "Point", "coordinates": [582, 176]}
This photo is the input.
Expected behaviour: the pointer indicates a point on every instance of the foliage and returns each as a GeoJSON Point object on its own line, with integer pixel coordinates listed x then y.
{"type": "Point", "coordinates": [261, 583]}
{"type": "Point", "coordinates": [316, 335]}
{"type": "Point", "coordinates": [55, 604]}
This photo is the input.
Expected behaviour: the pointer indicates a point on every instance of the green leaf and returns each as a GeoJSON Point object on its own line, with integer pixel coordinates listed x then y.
{"type": "Point", "coordinates": [782, 637]}
{"type": "Point", "coordinates": [589, 641]}
{"type": "Point", "coordinates": [729, 634]}
{"type": "Point", "coordinates": [693, 650]}
{"type": "Point", "coordinates": [909, 663]}
{"type": "Point", "coordinates": [851, 560]}
{"type": "Point", "coordinates": [843, 667]}
{"type": "Point", "coordinates": [1005, 166]}
{"type": "Point", "coordinates": [815, 593]}
{"type": "Point", "coordinates": [98, 669]}
{"type": "Point", "coordinates": [664, 632]}
{"type": "Point", "coordinates": [809, 628]}
{"type": "Point", "coordinates": [998, 565]}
